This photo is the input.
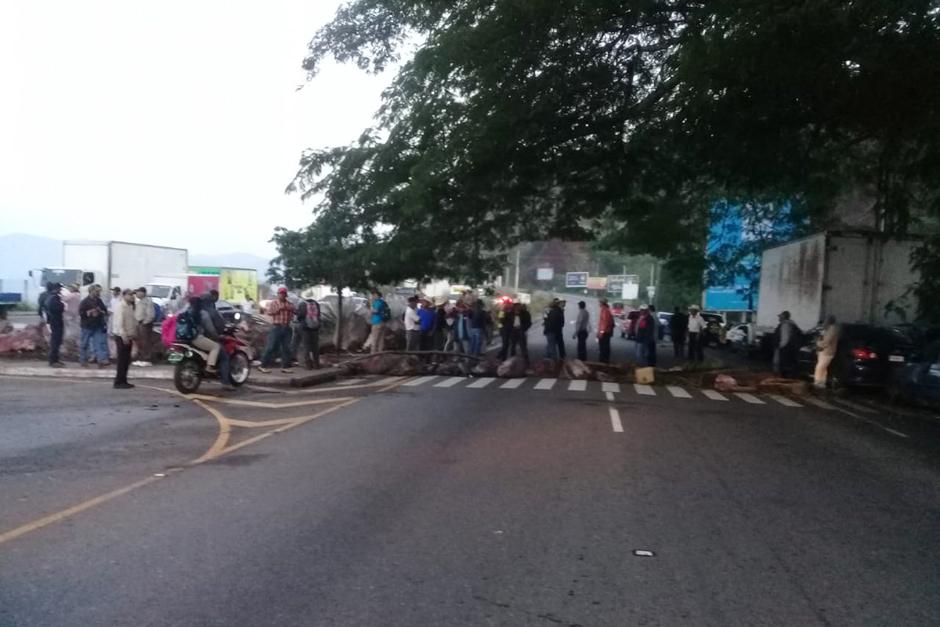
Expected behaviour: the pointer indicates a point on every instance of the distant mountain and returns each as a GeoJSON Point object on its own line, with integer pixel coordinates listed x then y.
{"type": "Point", "coordinates": [233, 260]}
{"type": "Point", "coordinates": [20, 253]}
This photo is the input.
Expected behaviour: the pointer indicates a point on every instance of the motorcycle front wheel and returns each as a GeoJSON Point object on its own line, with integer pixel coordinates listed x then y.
{"type": "Point", "coordinates": [240, 368]}
{"type": "Point", "coordinates": [187, 377]}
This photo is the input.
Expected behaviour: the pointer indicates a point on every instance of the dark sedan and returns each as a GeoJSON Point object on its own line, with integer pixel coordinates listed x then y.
{"type": "Point", "coordinates": [866, 355]}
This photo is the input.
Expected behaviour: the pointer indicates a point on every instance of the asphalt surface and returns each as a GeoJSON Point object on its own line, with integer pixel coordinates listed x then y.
{"type": "Point", "coordinates": [438, 504]}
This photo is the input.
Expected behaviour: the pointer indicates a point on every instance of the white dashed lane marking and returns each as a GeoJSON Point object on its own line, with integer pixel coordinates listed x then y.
{"type": "Point", "coordinates": [449, 382]}
{"type": "Point", "coordinates": [783, 400]}
{"type": "Point", "coordinates": [419, 381]}
{"type": "Point", "coordinates": [482, 383]}
{"type": "Point", "coordinates": [512, 384]}
{"type": "Point", "coordinates": [678, 392]}
{"type": "Point", "coordinates": [578, 385]}
{"type": "Point", "coordinates": [610, 387]}
{"type": "Point", "coordinates": [645, 390]}
{"type": "Point", "coordinates": [749, 398]}
{"type": "Point", "coordinates": [714, 395]}
{"type": "Point", "coordinates": [615, 423]}
{"type": "Point", "coordinates": [545, 384]}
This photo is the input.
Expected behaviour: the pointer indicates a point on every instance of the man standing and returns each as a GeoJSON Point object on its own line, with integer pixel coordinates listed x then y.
{"type": "Point", "coordinates": [519, 333]}
{"type": "Point", "coordinates": [412, 325]}
{"type": "Point", "coordinates": [696, 326]}
{"type": "Point", "coordinates": [54, 309]}
{"type": "Point", "coordinates": [144, 314]}
{"type": "Point", "coordinates": [281, 312]}
{"type": "Point", "coordinates": [93, 317]}
{"type": "Point", "coordinates": [380, 315]}
{"type": "Point", "coordinates": [555, 331]}
{"type": "Point", "coordinates": [426, 316]}
{"type": "Point", "coordinates": [788, 345]}
{"type": "Point", "coordinates": [308, 330]}
{"type": "Point", "coordinates": [581, 328]}
{"type": "Point", "coordinates": [678, 327]}
{"type": "Point", "coordinates": [645, 336]}
{"type": "Point", "coordinates": [605, 330]}
{"type": "Point", "coordinates": [826, 346]}
{"type": "Point", "coordinates": [478, 321]}
{"type": "Point", "coordinates": [507, 318]}
{"type": "Point", "coordinates": [654, 336]}
{"type": "Point", "coordinates": [124, 329]}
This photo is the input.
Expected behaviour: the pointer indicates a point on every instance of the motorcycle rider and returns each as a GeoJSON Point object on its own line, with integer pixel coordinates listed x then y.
{"type": "Point", "coordinates": [209, 340]}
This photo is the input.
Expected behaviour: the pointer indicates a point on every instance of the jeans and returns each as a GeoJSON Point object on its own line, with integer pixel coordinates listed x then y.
{"type": "Point", "coordinates": [93, 340]}
{"type": "Point", "coordinates": [642, 354]}
{"type": "Point", "coordinates": [519, 340]}
{"type": "Point", "coordinates": [413, 340]}
{"type": "Point", "coordinates": [55, 341]}
{"type": "Point", "coordinates": [476, 341]}
{"type": "Point", "coordinates": [278, 339]}
{"type": "Point", "coordinates": [555, 345]}
{"type": "Point", "coordinates": [310, 340]}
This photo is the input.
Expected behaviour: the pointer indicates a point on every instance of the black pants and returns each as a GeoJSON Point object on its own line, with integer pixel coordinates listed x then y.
{"type": "Point", "coordinates": [519, 340]}
{"type": "Point", "coordinates": [123, 359]}
{"type": "Point", "coordinates": [678, 345]}
{"type": "Point", "coordinates": [506, 335]}
{"type": "Point", "coordinates": [55, 342]}
{"type": "Point", "coordinates": [559, 339]}
{"type": "Point", "coordinates": [652, 353]}
{"type": "Point", "coordinates": [310, 340]}
{"type": "Point", "coordinates": [582, 345]}
{"type": "Point", "coordinates": [603, 343]}
{"type": "Point", "coordinates": [695, 347]}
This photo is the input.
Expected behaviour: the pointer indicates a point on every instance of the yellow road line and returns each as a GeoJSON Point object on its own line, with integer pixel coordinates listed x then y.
{"type": "Point", "coordinates": [254, 424]}
{"type": "Point", "coordinates": [225, 429]}
{"type": "Point", "coordinates": [263, 405]}
{"type": "Point", "coordinates": [75, 509]}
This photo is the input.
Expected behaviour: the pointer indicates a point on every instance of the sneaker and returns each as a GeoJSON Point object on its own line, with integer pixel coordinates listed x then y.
{"type": "Point", "coordinates": [146, 364]}
{"type": "Point", "coordinates": [123, 386]}
{"type": "Point", "coordinates": [287, 370]}
{"type": "Point", "coordinates": [137, 364]}
{"type": "Point", "coordinates": [264, 370]}
{"type": "Point", "coordinates": [103, 364]}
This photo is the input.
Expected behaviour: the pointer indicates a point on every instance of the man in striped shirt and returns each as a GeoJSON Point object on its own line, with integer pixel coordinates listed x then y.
{"type": "Point", "coordinates": [281, 312]}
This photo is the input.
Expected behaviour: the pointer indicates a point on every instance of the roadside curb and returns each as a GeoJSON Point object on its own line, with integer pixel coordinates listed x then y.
{"type": "Point", "coordinates": [324, 376]}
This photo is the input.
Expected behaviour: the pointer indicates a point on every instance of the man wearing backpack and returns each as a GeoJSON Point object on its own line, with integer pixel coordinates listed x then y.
{"type": "Point", "coordinates": [307, 332]}
{"type": "Point", "coordinates": [381, 314]}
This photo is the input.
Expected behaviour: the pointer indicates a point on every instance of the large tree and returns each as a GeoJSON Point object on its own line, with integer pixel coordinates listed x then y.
{"type": "Point", "coordinates": [624, 121]}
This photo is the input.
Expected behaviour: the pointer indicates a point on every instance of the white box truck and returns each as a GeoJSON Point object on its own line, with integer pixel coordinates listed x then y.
{"type": "Point", "coordinates": [855, 276]}
{"type": "Point", "coordinates": [116, 264]}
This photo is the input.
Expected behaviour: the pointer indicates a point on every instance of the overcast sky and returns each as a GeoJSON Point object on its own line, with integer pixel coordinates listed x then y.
{"type": "Point", "coordinates": [173, 122]}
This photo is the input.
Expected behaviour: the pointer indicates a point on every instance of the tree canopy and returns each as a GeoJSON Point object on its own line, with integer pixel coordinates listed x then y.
{"type": "Point", "coordinates": [624, 121]}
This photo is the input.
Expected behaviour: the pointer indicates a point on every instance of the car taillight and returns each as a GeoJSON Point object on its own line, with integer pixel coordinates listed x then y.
{"type": "Point", "coordinates": [864, 354]}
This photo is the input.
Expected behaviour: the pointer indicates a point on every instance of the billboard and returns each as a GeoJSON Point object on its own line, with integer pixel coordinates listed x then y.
{"type": "Point", "coordinates": [545, 274]}
{"type": "Point", "coordinates": [576, 279]}
{"type": "Point", "coordinates": [597, 283]}
{"type": "Point", "coordinates": [630, 290]}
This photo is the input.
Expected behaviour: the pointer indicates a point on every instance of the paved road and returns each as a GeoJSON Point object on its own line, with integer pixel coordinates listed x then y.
{"type": "Point", "coordinates": [431, 502]}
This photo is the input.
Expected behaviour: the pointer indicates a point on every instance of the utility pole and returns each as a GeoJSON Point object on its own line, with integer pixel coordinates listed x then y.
{"type": "Point", "coordinates": [518, 256]}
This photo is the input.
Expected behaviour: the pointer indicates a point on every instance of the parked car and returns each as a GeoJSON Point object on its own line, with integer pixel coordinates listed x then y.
{"type": "Point", "coordinates": [918, 380]}
{"type": "Point", "coordinates": [663, 318]}
{"type": "Point", "coordinates": [738, 337]}
{"type": "Point", "coordinates": [866, 355]}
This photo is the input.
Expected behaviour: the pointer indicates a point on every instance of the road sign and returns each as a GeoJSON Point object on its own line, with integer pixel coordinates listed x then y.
{"type": "Point", "coordinates": [597, 283]}
{"type": "Point", "coordinates": [615, 283]}
{"type": "Point", "coordinates": [576, 279]}
{"type": "Point", "coordinates": [545, 274]}
{"type": "Point", "coordinates": [631, 287]}
{"type": "Point", "coordinates": [651, 291]}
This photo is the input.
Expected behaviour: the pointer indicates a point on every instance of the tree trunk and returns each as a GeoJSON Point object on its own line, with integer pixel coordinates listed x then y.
{"type": "Point", "coordinates": [339, 320]}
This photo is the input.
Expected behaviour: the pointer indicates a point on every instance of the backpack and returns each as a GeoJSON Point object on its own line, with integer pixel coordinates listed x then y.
{"type": "Point", "coordinates": [385, 312]}
{"type": "Point", "coordinates": [312, 316]}
{"type": "Point", "coordinates": [186, 327]}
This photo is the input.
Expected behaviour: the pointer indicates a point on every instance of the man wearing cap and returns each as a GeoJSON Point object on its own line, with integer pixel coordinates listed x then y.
{"type": "Point", "coordinates": [554, 331]}
{"type": "Point", "coordinates": [696, 328]}
{"type": "Point", "coordinates": [281, 312]}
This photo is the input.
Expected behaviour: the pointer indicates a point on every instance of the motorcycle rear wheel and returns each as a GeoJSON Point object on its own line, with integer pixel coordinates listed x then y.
{"type": "Point", "coordinates": [187, 377]}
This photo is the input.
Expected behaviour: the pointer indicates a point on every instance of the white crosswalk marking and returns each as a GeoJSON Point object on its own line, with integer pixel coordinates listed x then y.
{"type": "Point", "coordinates": [714, 395]}
{"type": "Point", "coordinates": [615, 423]}
{"type": "Point", "coordinates": [419, 381]}
{"type": "Point", "coordinates": [646, 390]}
{"type": "Point", "coordinates": [545, 384]}
{"type": "Point", "coordinates": [577, 385]}
{"type": "Point", "coordinates": [783, 400]}
{"type": "Point", "coordinates": [819, 403]}
{"type": "Point", "coordinates": [449, 382]}
{"type": "Point", "coordinates": [482, 382]}
{"type": "Point", "coordinates": [678, 392]}
{"type": "Point", "coordinates": [610, 396]}
{"type": "Point", "coordinates": [749, 398]}
{"type": "Point", "coordinates": [512, 384]}
{"type": "Point", "coordinates": [611, 387]}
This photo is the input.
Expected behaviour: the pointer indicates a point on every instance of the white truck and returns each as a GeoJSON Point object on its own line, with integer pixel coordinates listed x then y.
{"type": "Point", "coordinates": [855, 276]}
{"type": "Point", "coordinates": [115, 264]}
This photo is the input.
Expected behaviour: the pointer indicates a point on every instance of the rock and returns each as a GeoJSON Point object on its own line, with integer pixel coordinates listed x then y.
{"type": "Point", "coordinates": [407, 366]}
{"type": "Point", "coordinates": [485, 368]}
{"type": "Point", "coordinates": [379, 364]}
{"type": "Point", "coordinates": [512, 368]}
{"type": "Point", "coordinates": [602, 376]}
{"type": "Point", "coordinates": [725, 383]}
{"type": "Point", "coordinates": [28, 339]}
{"type": "Point", "coordinates": [784, 386]}
{"type": "Point", "coordinates": [577, 369]}
{"type": "Point", "coordinates": [547, 368]}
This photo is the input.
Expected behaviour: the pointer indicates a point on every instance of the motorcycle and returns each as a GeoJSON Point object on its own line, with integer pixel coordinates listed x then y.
{"type": "Point", "coordinates": [190, 362]}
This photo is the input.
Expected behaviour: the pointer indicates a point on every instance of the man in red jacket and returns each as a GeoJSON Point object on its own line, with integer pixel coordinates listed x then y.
{"type": "Point", "coordinates": [605, 329]}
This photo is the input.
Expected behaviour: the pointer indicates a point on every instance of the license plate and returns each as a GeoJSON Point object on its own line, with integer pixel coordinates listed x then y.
{"type": "Point", "coordinates": [896, 358]}
{"type": "Point", "coordinates": [174, 358]}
